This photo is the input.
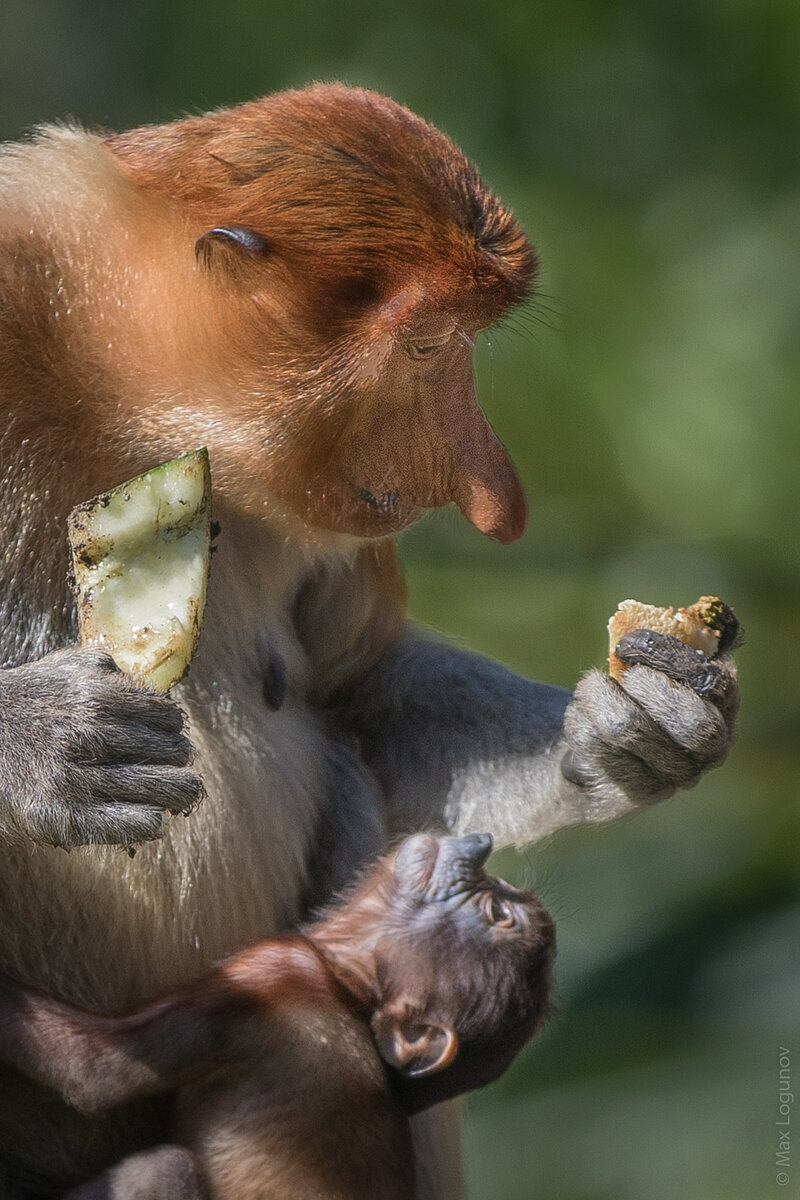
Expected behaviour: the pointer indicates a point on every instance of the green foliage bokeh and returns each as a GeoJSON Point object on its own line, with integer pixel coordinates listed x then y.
{"type": "Point", "coordinates": [649, 395]}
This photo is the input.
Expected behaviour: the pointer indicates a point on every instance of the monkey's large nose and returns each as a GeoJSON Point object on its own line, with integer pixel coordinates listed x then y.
{"type": "Point", "coordinates": [485, 484]}
{"type": "Point", "coordinates": [458, 863]}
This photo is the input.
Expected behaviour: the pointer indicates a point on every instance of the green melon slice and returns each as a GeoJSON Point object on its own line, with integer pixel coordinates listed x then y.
{"type": "Point", "coordinates": [141, 557]}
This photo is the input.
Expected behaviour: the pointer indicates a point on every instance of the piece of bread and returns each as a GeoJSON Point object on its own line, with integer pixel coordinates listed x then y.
{"type": "Point", "coordinates": [700, 626]}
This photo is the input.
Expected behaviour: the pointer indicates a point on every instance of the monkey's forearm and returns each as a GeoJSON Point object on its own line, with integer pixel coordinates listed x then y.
{"type": "Point", "coordinates": [455, 737]}
{"type": "Point", "coordinates": [161, 1173]}
{"type": "Point", "coordinates": [64, 1050]}
{"type": "Point", "coordinates": [96, 1062]}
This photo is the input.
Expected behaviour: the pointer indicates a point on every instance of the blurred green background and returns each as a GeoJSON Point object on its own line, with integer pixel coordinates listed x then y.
{"type": "Point", "coordinates": [650, 398]}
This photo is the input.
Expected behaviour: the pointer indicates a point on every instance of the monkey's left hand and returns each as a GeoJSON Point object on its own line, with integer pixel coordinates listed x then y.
{"type": "Point", "coordinates": [669, 720]}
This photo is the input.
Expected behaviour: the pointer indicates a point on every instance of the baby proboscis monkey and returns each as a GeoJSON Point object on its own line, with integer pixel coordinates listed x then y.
{"type": "Point", "coordinates": [277, 1090]}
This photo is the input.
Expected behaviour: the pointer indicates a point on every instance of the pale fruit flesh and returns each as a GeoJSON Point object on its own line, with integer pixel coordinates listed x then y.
{"type": "Point", "coordinates": [141, 556]}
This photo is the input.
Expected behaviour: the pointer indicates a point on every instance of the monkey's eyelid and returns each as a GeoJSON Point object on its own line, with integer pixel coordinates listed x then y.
{"type": "Point", "coordinates": [234, 235]}
{"type": "Point", "coordinates": [427, 347]}
{"type": "Point", "coordinates": [499, 911]}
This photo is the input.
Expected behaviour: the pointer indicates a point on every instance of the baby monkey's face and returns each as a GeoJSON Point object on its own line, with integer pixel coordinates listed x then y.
{"type": "Point", "coordinates": [466, 952]}
{"type": "Point", "coordinates": [444, 893]}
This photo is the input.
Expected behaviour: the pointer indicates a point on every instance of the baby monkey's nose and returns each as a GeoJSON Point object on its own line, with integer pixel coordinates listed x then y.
{"type": "Point", "coordinates": [474, 849]}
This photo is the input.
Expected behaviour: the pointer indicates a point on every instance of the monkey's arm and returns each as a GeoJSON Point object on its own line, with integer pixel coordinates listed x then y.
{"type": "Point", "coordinates": [451, 734]}
{"type": "Point", "coordinates": [95, 1062]}
{"type": "Point", "coordinates": [162, 1173]}
{"type": "Point", "coordinates": [88, 756]}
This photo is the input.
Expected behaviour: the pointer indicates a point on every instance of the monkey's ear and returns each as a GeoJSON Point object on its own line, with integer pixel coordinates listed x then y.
{"type": "Point", "coordinates": [412, 1046]}
{"type": "Point", "coordinates": [229, 239]}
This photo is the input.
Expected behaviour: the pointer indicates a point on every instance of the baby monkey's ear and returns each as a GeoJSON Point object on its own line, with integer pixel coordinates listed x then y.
{"type": "Point", "coordinates": [412, 1045]}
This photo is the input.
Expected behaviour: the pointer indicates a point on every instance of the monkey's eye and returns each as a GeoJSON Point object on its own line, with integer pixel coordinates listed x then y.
{"type": "Point", "coordinates": [426, 347]}
{"type": "Point", "coordinates": [420, 350]}
{"type": "Point", "coordinates": [499, 912]}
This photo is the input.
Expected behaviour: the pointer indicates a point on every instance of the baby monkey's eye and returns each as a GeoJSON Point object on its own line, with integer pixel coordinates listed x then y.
{"type": "Point", "coordinates": [499, 911]}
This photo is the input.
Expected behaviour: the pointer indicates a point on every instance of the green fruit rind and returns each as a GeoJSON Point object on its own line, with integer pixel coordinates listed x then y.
{"type": "Point", "coordinates": [141, 557]}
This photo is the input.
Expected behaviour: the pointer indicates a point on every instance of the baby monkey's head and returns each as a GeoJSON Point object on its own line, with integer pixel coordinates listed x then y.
{"type": "Point", "coordinates": [453, 964]}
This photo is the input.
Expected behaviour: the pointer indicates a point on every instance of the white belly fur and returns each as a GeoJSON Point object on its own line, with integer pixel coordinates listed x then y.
{"type": "Point", "coordinates": [119, 929]}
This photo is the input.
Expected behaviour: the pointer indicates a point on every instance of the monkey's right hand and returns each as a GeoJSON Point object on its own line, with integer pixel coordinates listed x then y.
{"type": "Point", "coordinates": [87, 755]}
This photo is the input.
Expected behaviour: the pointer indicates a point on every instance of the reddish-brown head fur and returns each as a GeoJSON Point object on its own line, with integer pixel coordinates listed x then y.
{"type": "Point", "coordinates": [377, 251]}
{"type": "Point", "coordinates": [369, 198]}
{"type": "Point", "coordinates": [295, 282]}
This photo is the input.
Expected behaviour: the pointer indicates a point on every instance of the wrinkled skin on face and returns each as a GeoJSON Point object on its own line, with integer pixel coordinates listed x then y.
{"type": "Point", "coordinates": [444, 871]}
{"type": "Point", "coordinates": [414, 438]}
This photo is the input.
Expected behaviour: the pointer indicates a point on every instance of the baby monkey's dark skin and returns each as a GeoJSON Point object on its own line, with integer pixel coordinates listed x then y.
{"type": "Point", "coordinates": [292, 1068]}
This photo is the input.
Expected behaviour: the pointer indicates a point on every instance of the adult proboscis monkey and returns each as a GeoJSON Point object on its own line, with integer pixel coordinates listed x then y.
{"type": "Point", "coordinates": [295, 283]}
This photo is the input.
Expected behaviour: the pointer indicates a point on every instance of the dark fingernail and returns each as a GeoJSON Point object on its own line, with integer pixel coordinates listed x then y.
{"type": "Point", "coordinates": [731, 634]}
{"type": "Point", "coordinates": [574, 769]}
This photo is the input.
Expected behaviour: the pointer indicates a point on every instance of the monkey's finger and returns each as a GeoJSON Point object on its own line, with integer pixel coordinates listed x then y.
{"type": "Point", "coordinates": [155, 710]}
{"type": "Point", "coordinates": [130, 742]}
{"type": "Point", "coordinates": [604, 717]}
{"type": "Point", "coordinates": [125, 701]}
{"type": "Point", "coordinates": [609, 730]}
{"type": "Point", "coordinates": [116, 825]}
{"type": "Point", "coordinates": [693, 723]}
{"type": "Point", "coordinates": [631, 777]}
{"type": "Point", "coordinates": [112, 825]}
{"type": "Point", "coordinates": [82, 660]}
{"type": "Point", "coordinates": [176, 790]}
{"type": "Point", "coordinates": [103, 692]}
{"type": "Point", "coordinates": [713, 679]}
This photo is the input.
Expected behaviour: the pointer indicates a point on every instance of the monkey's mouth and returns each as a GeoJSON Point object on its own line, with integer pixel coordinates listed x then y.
{"type": "Point", "coordinates": [388, 503]}
{"type": "Point", "coordinates": [386, 511]}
